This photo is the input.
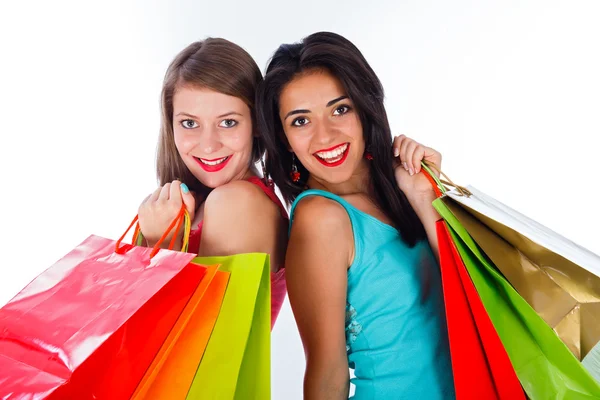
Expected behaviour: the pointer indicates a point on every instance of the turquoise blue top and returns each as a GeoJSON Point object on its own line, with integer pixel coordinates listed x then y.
{"type": "Point", "coordinates": [396, 335]}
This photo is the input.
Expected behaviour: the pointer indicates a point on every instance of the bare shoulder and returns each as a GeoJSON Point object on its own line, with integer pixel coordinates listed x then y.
{"type": "Point", "coordinates": [240, 218]}
{"type": "Point", "coordinates": [240, 197]}
{"type": "Point", "coordinates": [321, 227]}
{"type": "Point", "coordinates": [318, 215]}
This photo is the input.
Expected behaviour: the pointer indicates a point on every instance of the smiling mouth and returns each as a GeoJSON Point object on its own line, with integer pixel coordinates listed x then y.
{"type": "Point", "coordinates": [334, 156]}
{"type": "Point", "coordinates": [213, 165]}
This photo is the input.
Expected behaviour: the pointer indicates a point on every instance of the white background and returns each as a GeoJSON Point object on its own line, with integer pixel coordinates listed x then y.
{"type": "Point", "coordinates": [508, 91]}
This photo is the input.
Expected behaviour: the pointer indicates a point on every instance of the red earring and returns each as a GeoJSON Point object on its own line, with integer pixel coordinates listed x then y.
{"type": "Point", "coordinates": [294, 174]}
{"type": "Point", "coordinates": [369, 156]}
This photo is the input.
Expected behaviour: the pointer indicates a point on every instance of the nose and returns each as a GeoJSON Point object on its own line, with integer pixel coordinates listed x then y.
{"type": "Point", "coordinates": [209, 141]}
{"type": "Point", "coordinates": [324, 133]}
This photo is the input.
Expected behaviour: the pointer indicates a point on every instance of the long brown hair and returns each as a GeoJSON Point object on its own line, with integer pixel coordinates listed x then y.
{"type": "Point", "coordinates": [215, 64]}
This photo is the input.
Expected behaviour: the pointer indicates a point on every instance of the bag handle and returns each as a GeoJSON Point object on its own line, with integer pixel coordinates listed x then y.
{"type": "Point", "coordinates": [440, 186]}
{"type": "Point", "coordinates": [183, 217]}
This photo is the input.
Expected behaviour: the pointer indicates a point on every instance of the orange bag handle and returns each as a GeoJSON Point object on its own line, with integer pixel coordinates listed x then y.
{"type": "Point", "coordinates": [182, 217]}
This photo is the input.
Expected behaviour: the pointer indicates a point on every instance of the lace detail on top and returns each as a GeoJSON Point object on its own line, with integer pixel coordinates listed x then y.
{"type": "Point", "coordinates": [353, 327]}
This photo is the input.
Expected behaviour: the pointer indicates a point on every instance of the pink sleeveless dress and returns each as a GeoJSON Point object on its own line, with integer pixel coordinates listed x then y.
{"type": "Point", "coordinates": [278, 286]}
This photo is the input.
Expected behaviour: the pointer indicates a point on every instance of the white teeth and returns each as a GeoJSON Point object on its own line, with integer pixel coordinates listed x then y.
{"type": "Point", "coordinates": [216, 162]}
{"type": "Point", "coordinates": [328, 155]}
{"type": "Point", "coordinates": [332, 160]}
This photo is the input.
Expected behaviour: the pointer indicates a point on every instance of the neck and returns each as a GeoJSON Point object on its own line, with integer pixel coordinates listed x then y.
{"type": "Point", "coordinates": [358, 183]}
{"type": "Point", "coordinates": [252, 171]}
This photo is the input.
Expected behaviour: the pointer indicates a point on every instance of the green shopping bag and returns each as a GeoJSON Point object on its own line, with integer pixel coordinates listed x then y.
{"type": "Point", "coordinates": [545, 366]}
{"type": "Point", "coordinates": [236, 362]}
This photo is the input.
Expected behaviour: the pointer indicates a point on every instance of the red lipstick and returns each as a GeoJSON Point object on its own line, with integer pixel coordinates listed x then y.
{"type": "Point", "coordinates": [213, 168]}
{"type": "Point", "coordinates": [344, 155]}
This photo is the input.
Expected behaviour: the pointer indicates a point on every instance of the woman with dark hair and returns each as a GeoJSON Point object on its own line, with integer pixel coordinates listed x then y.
{"type": "Point", "coordinates": [361, 253]}
{"type": "Point", "coordinates": [207, 150]}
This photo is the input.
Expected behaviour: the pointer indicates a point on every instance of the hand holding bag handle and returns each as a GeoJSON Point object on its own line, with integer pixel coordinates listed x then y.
{"type": "Point", "coordinates": [183, 217]}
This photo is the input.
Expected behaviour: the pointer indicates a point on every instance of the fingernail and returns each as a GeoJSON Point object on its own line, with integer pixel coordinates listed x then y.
{"type": "Point", "coordinates": [396, 152]}
{"type": "Point", "coordinates": [411, 172]}
{"type": "Point", "coordinates": [184, 188]}
{"type": "Point", "coordinates": [405, 165]}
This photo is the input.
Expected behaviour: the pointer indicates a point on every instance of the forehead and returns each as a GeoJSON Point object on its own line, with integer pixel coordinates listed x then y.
{"type": "Point", "coordinates": [314, 89]}
{"type": "Point", "coordinates": [203, 101]}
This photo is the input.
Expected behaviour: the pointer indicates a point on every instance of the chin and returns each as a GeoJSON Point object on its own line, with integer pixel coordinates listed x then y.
{"type": "Point", "coordinates": [334, 177]}
{"type": "Point", "coordinates": [211, 180]}
{"type": "Point", "coordinates": [337, 175]}
{"type": "Point", "coordinates": [214, 182]}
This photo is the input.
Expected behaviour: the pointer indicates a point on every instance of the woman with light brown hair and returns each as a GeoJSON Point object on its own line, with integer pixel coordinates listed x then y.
{"type": "Point", "coordinates": [207, 151]}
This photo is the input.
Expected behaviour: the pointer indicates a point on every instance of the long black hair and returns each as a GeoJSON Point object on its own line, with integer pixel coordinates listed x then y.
{"type": "Point", "coordinates": [334, 53]}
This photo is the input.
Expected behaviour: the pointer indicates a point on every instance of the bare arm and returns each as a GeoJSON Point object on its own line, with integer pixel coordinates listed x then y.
{"type": "Point", "coordinates": [428, 216]}
{"type": "Point", "coordinates": [319, 252]}
{"type": "Point", "coordinates": [240, 218]}
{"type": "Point", "coordinates": [415, 185]}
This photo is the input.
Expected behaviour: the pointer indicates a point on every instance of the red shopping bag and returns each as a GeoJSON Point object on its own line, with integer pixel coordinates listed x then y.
{"type": "Point", "coordinates": [480, 364]}
{"type": "Point", "coordinates": [90, 325]}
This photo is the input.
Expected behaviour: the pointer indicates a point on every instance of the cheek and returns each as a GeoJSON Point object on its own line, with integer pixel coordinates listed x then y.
{"type": "Point", "coordinates": [239, 140]}
{"type": "Point", "coordinates": [299, 143]}
{"type": "Point", "coordinates": [184, 141]}
{"type": "Point", "coordinates": [353, 129]}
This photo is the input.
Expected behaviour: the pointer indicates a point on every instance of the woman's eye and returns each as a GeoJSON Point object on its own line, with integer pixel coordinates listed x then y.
{"type": "Point", "coordinates": [228, 123]}
{"type": "Point", "coordinates": [189, 124]}
{"type": "Point", "coordinates": [341, 110]}
{"type": "Point", "coordinates": [300, 121]}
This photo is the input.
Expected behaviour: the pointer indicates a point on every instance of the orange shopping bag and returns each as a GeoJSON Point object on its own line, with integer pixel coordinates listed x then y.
{"type": "Point", "coordinates": [171, 373]}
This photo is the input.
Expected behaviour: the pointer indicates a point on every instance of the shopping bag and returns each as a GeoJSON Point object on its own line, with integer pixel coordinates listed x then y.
{"type": "Point", "coordinates": [480, 365]}
{"type": "Point", "coordinates": [89, 326]}
{"type": "Point", "coordinates": [558, 278]}
{"type": "Point", "coordinates": [236, 362]}
{"type": "Point", "coordinates": [545, 366]}
{"type": "Point", "coordinates": [171, 373]}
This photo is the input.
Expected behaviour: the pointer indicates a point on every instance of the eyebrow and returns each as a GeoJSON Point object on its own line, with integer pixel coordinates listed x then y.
{"type": "Point", "coordinates": [329, 104]}
{"type": "Point", "coordinates": [220, 116]}
{"type": "Point", "coordinates": [184, 114]}
{"type": "Point", "coordinates": [230, 113]}
{"type": "Point", "coordinates": [332, 102]}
